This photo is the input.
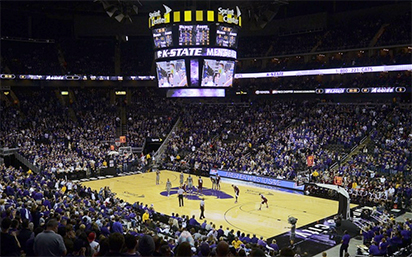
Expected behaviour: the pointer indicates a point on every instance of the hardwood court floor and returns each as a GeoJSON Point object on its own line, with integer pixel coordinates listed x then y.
{"type": "Point", "coordinates": [220, 207]}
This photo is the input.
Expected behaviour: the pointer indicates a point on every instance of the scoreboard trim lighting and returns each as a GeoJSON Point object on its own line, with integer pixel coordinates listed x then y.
{"type": "Point", "coordinates": [333, 71]}
{"type": "Point", "coordinates": [222, 15]}
{"type": "Point", "coordinates": [320, 91]}
{"type": "Point", "coordinates": [195, 52]}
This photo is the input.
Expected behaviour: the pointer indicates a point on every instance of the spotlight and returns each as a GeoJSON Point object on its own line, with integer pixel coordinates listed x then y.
{"type": "Point", "coordinates": [136, 9]}
{"type": "Point", "coordinates": [112, 12]}
{"type": "Point", "coordinates": [119, 17]}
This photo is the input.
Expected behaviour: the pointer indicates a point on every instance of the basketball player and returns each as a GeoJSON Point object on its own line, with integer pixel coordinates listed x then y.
{"type": "Point", "coordinates": [168, 187]}
{"type": "Point", "coordinates": [213, 182]}
{"type": "Point", "coordinates": [264, 201]}
{"type": "Point", "coordinates": [189, 183]}
{"type": "Point", "coordinates": [184, 187]}
{"type": "Point", "coordinates": [236, 192]}
{"type": "Point", "coordinates": [157, 177]}
{"type": "Point", "coordinates": [200, 185]}
{"type": "Point", "coordinates": [217, 182]}
{"type": "Point", "coordinates": [181, 178]}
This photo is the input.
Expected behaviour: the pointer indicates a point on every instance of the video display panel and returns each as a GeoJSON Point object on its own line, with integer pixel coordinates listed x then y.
{"type": "Point", "coordinates": [194, 35]}
{"type": "Point", "coordinates": [226, 36]}
{"type": "Point", "coordinates": [194, 72]}
{"type": "Point", "coordinates": [217, 73]}
{"type": "Point", "coordinates": [196, 92]}
{"type": "Point", "coordinates": [171, 73]}
{"type": "Point", "coordinates": [162, 37]}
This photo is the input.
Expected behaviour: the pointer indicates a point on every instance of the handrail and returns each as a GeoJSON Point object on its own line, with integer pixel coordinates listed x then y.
{"type": "Point", "coordinates": [161, 149]}
{"type": "Point", "coordinates": [357, 104]}
{"type": "Point", "coordinates": [5, 151]}
{"type": "Point", "coordinates": [26, 162]}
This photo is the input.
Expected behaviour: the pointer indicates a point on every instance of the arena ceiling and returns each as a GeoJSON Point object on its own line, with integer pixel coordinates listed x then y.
{"type": "Point", "coordinates": [287, 8]}
{"type": "Point", "coordinates": [256, 14]}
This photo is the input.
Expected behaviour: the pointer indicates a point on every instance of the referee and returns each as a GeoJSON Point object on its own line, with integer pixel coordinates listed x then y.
{"type": "Point", "coordinates": [180, 195]}
{"type": "Point", "coordinates": [202, 208]}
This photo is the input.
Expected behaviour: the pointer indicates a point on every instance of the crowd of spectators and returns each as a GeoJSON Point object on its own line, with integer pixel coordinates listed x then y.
{"type": "Point", "coordinates": [379, 174]}
{"type": "Point", "coordinates": [398, 31]}
{"type": "Point", "coordinates": [52, 139]}
{"type": "Point", "coordinates": [149, 115]}
{"type": "Point", "coordinates": [45, 133]}
{"type": "Point", "coordinates": [295, 44]}
{"type": "Point", "coordinates": [89, 56]}
{"type": "Point", "coordinates": [387, 237]}
{"type": "Point", "coordinates": [76, 132]}
{"type": "Point", "coordinates": [331, 60]}
{"type": "Point", "coordinates": [81, 57]}
{"type": "Point", "coordinates": [137, 57]}
{"type": "Point", "coordinates": [11, 113]}
{"type": "Point", "coordinates": [29, 58]}
{"type": "Point", "coordinates": [338, 35]}
{"type": "Point", "coordinates": [272, 139]}
{"type": "Point", "coordinates": [356, 33]}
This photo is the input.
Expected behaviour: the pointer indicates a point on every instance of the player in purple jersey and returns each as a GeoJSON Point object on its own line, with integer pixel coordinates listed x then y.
{"type": "Point", "coordinates": [264, 201]}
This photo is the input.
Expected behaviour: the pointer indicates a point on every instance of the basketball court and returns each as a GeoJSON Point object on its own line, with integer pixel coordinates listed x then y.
{"type": "Point", "coordinates": [220, 206]}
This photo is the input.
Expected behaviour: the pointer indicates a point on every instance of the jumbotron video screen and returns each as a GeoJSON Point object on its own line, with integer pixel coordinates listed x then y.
{"type": "Point", "coordinates": [217, 73]}
{"type": "Point", "coordinates": [171, 73]}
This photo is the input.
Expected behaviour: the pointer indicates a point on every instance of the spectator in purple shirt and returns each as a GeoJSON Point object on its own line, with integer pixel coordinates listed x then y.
{"type": "Point", "coordinates": [274, 245]}
{"type": "Point", "coordinates": [261, 242]}
{"type": "Point", "coordinates": [254, 239]}
{"type": "Point", "coordinates": [193, 221]}
{"type": "Point", "coordinates": [383, 247]}
{"type": "Point", "coordinates": [374, 249]}
{"type": "Point", "coordinates": [204, 224]}
{"type": "Point", "coordinates": [117, 226]}
{"type": "Point", "coordinates": [345, 243]}
{"type": "Point", "coordinates": [105, 231]}
{"type": "Point", "coordinates": [247, 239]}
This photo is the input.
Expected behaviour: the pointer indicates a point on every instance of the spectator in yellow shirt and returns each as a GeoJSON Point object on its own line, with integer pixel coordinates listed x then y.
{"type": "Point", "coordinates": [315, 175]}
{"type": "Point", "coordinates": [354, 185]}
{"type": "Point", "coordinates": [236, 243]}
{"type": "Point", "coordinates": [145, 216]}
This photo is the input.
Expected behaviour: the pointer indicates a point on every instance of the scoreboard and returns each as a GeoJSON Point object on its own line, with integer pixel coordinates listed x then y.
{"type": "Point", "coordinates": [162, 37]}
{"type": "Point", "coordinates": [226, 36]}
{"type": "Point", "coordinates": [193, 35]}
{"type": "Point", "coordinates": [195, 49]}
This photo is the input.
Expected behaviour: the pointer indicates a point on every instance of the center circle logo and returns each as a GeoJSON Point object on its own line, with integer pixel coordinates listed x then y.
{"type": "Point", "coordinates": [194, 194]}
